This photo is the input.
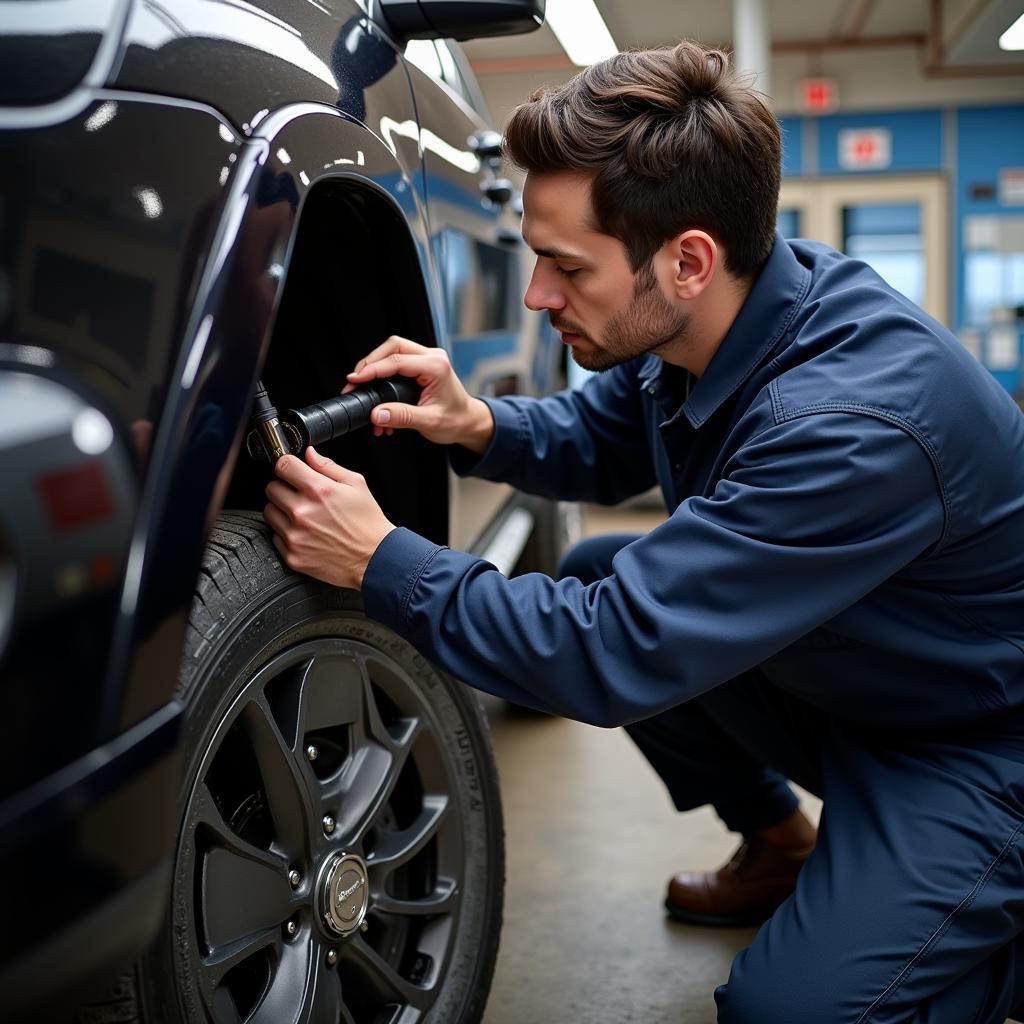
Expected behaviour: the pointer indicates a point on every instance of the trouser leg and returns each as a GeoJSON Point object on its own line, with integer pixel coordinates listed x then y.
{"type": "Point", "coordinates": [910, 910]}
{"type": "Point", "coordinates": [700, 763]}
{"type": "Point", "coordinates": [732, 748]}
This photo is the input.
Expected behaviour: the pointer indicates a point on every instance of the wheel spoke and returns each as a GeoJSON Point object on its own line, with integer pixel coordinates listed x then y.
{"type": "Point", "coordinates": [288, 985]}
{"type": "Point", "coordinates": [223, 958]}
{"type": "Point", "coordinates": [205, 812]}
{"type": "Point", "coordinates": [383, 978]}
{"type": "Point", "coordinates": [288, 798]}
{"type": "Point", "coordinates": [363, 790]}
{"type": "Point", "coordinates": [441, 901]}
{"type": "Point", "coordinates": [402, 1015]}
{"type": "Point", "coordinates": [240, 896]}
{"type": "Point", "coordinates": [396, 848]}
{"type": "Point", "coordinates": [325, 1004]}
{"type": "Point", "coordinates": [331, 693]}
{"type": "Point", "coordinates": [399, 733]}
{"type": "Point", "coordinates": [374, 723]}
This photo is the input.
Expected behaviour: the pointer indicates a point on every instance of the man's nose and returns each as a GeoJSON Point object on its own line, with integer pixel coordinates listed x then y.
{"type": "Point", "coordinates": [543, 292]}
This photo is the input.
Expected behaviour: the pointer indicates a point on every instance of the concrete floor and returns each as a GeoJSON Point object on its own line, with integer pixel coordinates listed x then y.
{"type": "Point", "coordinates": [591, 841]}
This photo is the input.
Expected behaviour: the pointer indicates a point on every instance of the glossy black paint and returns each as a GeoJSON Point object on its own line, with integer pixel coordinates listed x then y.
{"type": "Point", "coordinates": [100, 284]}
{"type": "Point", "coordinates": [46, 49]}
{"type": "Point", "coordinates": [281, 54]}
{"type": "Point", "coordinates": [151, 219]}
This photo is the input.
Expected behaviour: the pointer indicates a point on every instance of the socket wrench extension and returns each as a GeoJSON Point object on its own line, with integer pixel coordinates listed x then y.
{"type": "Point", "coordinates": [295, 430]}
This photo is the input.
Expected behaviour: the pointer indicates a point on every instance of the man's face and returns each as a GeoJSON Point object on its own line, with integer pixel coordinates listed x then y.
{"type": "Point", "coordinates": [603, 311]}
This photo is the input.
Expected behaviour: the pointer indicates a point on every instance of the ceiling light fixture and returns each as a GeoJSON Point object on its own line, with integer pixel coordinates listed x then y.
{"type": "Point", "coordinates": [1013, 37]}
{"type": "Point", "coordinates": [581, 30]}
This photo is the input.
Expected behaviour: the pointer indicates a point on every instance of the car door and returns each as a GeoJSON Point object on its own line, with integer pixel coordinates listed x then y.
{"type": "Point", "coordinates": [476, 247]}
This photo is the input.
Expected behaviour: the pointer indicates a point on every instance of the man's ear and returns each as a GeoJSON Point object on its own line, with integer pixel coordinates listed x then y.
{"type": "Point", "coordinates": [695, 256]}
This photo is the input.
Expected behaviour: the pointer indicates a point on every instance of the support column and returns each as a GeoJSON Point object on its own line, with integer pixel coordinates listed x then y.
{"type": "Point", "coordinates": [752, 50]}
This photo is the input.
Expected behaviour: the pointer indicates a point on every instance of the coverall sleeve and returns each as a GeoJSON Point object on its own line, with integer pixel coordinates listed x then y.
{"type": "Point", "coordinates": [810, 515]}
{"type": "Point", "coordinates": [585, 445]}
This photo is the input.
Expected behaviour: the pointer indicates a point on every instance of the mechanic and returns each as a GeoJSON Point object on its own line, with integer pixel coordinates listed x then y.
{"type": "Point", "coordinates": [836, 598]}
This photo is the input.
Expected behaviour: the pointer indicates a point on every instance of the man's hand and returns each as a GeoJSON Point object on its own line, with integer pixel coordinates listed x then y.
{"type": "Point", "coordinates": [446, 413]}
{"type": "Point", "coordinates": [325, 521]}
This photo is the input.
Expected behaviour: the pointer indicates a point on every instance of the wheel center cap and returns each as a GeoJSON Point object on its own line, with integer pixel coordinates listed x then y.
{"type": "Point", "coordinates": [343, 893]}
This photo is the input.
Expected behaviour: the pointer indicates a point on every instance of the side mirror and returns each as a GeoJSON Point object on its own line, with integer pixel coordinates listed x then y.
{"type": "Point", "coordinates": [499, 191]}
{"type": "Point", "coordinates": [460, 19]}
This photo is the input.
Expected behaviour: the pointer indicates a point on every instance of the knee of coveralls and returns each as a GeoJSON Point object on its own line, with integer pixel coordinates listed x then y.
{"type": "Point", "coordinates": [777, 996]}
{"type": "Point", "coordinates": [590, 559]}
{"type": "Point", "coordinates": [986, 994]}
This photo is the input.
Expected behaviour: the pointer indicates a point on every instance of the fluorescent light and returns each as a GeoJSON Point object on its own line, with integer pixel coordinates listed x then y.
{"type": "Point", "coordinates": [1013, 37]}
{"type": "Point", "coordinates": [581, 31]}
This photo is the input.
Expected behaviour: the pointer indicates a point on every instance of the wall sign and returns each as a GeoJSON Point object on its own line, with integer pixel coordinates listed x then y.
{"type": "Point", "coordinates": [865, 149]}
{"type": "Point", "coordinates": [1003, 348]}
{"type": "Point", "coordinates": [1011, 186]}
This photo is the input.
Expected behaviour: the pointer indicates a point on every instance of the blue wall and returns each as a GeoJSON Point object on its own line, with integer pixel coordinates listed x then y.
{"type": "Point", "coordinates": [986, 140]}
{"type": "Point", "coordinates": [916, 140]}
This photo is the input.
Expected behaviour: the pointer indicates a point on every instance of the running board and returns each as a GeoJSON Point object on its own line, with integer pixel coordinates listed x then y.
{"type": "Point", "coordinates": [503, 546]}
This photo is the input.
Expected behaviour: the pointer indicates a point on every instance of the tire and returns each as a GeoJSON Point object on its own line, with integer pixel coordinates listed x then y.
{"type": "Point", "coordinates": [276, 664]}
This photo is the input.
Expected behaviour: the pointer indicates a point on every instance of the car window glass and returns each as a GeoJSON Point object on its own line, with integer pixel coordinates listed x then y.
{"type": "Point", "coordinates": [422, 53]}
{"type": "Point", "coordinates": [449, 69]}
{"type": "Point", "coordinates": [452, 73]}
{"type": "Point", "coordinates": [481, 285]}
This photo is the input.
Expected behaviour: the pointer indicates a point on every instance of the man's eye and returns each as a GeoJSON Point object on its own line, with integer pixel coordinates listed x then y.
{"type": "Point", "coordinates": [566, 273]}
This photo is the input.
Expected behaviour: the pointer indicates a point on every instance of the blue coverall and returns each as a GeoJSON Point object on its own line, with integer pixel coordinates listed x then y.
{"type": "Point", "coordinates": [837, 597]}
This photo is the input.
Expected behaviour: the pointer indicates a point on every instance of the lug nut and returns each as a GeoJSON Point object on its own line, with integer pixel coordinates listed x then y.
{"type": "Point", "coordinates": [312, 753]}
{"type": "Point", "coordinates": [294, 878]}
{"type": "Point", "coordinates": [364, 926]}
{"type": "Point", "coordinates": [328, 824]}
{"type": "Point", "coordinates": [290, 929]}
{"type": "Point", "coordinates": [332, 956]}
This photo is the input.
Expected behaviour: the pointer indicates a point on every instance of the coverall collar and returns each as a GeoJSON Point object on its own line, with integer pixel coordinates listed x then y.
{"type": "Point", "coordinates": [763, 319]}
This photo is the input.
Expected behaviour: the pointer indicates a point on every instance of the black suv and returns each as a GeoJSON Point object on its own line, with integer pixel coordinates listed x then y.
{"type": "Point", "coordinates": [214, 770]}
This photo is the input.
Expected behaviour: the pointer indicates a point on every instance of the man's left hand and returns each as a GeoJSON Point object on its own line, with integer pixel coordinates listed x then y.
{"type": "Point", "coordinates": [325, 521]}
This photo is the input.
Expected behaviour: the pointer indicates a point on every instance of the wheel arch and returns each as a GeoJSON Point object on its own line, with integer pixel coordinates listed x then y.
{"type": "Point", "coordinates": [356, 274]}
{"type": "Point", "coordinates": [308, 172]}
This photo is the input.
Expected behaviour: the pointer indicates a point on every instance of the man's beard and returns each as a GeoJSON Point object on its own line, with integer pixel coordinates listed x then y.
{"type": "Point", "coordinates": [647, 324]}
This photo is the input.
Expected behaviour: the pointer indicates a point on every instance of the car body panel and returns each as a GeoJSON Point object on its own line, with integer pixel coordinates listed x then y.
{"type": "Point", "coordinates": [49, 49]}
{"type": "Point", "coordinates": [149, 216]}
{"type": "Point", "coordinates": [95, 283]}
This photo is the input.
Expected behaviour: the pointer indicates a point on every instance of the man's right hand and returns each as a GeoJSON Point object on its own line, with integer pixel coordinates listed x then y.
{"type": "Point", "coordinates": [446, 413]}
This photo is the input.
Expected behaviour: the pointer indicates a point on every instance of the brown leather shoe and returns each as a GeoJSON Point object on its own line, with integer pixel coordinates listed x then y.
{"type": "Point", "coordinates": [746, 890]}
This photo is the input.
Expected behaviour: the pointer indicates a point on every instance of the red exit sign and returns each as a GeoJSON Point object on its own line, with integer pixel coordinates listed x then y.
{"type": "Point", "coordinates": [818, 95]}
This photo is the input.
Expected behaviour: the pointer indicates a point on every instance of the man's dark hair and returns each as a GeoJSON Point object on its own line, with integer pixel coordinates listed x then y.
{"type": "Point", "coordinates": [675, 141]}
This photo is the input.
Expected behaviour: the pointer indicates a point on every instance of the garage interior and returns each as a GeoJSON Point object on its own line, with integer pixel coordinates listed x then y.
{"type": "Point", "coordinates": [591, 836]}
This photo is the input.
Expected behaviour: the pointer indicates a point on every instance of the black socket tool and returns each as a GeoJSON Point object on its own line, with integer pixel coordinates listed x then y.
{"type": "Point", "coordinates": [337, 416]}
{"type": "Point", "coordinates": [296, 429]}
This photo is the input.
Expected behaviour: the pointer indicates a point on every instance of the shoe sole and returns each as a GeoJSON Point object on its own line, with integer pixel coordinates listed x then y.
{"type": "Point", "coordinates": [742, 919]}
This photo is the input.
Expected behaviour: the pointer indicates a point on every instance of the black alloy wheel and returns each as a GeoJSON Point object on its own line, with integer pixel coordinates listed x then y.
{"type": "Point", "coordinates": [340, 855]}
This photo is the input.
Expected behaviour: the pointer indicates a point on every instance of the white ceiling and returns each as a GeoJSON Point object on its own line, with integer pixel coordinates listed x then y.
{"type": "Point", "coordinates": [940, 42]}
{"type": "Point", "coordinates": [657, 22]}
